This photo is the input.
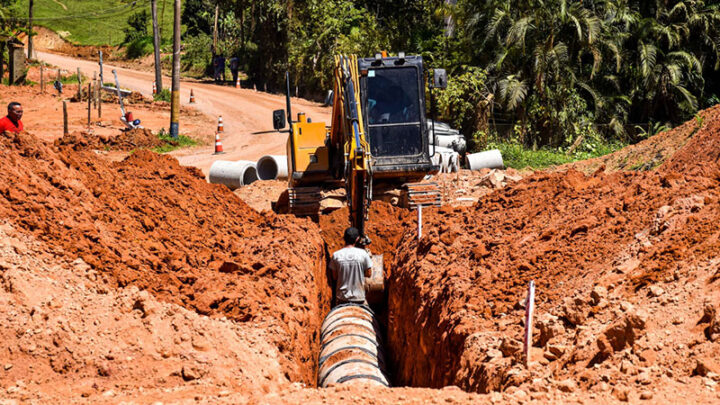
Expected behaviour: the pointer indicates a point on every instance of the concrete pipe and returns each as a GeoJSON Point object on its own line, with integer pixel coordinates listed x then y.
{"type": "Point", "coordinates": [454, 142]}
{"type": "Point", "coordinates": [490, 159]}
{"type": "Point", "coordinates": [271, 167]}
{"type": "Point", "coordinates": [351, 348]}
{"type": "Point", "coordinates": [441, 149]}
{"type": "Point", "coordinates": [233, 174]}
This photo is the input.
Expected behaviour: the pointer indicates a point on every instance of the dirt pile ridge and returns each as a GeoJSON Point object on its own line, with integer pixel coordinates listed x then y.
{"type": "Point", "coordinates": [625, 264]}
{"type": "Point", "coordinates": [150, 223]}
{"type": "Point", "coordinates": [138, 138]}
{"type": "Point", "coordinates": [654, 151]}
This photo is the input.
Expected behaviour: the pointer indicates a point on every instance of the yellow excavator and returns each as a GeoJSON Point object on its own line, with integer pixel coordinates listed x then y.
{"type": "Point", "coordinates": [378, 137]}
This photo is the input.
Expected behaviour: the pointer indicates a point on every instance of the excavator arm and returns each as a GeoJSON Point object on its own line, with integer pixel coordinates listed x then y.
{"type": "Point", "coordinates": [347, 129]}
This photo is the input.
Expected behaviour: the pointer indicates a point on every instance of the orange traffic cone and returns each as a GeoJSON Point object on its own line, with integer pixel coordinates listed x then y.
{"type": "Point", "coordinates": [237, 83]}
{"type": "Point", "coordinates": [221, 127]}
{"type": "Point", "coordinates": [218, 144]}
{"type": "Point", "coordinates": [154, 88]}
{"type": "Point", "coordinates": [192, 97]}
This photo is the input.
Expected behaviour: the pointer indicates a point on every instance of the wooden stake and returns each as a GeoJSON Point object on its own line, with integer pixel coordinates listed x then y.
{"type": "Point", "coordinates": [89, 102]}
{"type": "Point", "coordinates": [99, 99]}
{"type": "Point", "coordinates": [65, 119]}
{"type": "Point", "coordinates": [94, 89]}
{"type": "Point", "coordinates": [529, 310]}
{"type": "Point", "coordinates": [79, 79]}
{"type": "Point", "coordinates": [42, 80]}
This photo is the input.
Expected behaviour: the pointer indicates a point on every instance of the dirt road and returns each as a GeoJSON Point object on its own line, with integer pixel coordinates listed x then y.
{"type": "Point", "coordinates": [247, 114]}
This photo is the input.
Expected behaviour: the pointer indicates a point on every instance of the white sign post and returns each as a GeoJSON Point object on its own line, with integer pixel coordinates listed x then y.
{"type": "Point", "coordinates": [529, 309]}
{"type": "Point", "coordinates": [419, 209]}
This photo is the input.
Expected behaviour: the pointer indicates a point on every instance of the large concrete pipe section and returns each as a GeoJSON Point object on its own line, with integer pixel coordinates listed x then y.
{"type": "Point", "coordinates": [351, 351]}
{"type": "Point", "coordinates": [271, 167]}
{"type": "Point", "coordinates": [233, 174]}
{"type": "Point", "coordinates": [454, 142]}
{"type": "Point", "coordinates": [490, 159]}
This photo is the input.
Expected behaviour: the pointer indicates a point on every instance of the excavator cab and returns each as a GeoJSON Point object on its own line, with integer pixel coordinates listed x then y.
{"type": "Point", "coordinates": [378, 141]}
{"type": "Point", "coordinates": [392, 93]}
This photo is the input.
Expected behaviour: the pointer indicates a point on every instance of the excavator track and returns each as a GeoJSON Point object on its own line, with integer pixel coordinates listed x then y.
{"type": "Point", "coordinates": [305, 201]}
{"type": "Point", "coordinates": [426, 194]}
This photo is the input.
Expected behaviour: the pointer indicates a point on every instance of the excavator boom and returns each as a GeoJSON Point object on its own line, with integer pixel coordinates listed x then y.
{"type": "Point", "coordinates": [347, 129]}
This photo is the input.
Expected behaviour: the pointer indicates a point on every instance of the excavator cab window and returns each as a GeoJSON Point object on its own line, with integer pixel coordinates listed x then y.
{"type": "Point", "coordinates": [393, 112]}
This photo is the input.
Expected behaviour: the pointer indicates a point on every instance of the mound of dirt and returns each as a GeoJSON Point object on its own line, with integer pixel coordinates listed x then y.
{"type": "Point", "coordinates": [150, 223]}
{"type": "Point", "coordinates": [654, 151]}
{"type": "Point", "coordinates": [138, 138]}
{"type": "Point", "coordinates": [701, 155]}
{"type": "Point", "coordinates": [63, 320]}
{"type": "Point", "coordinates": [624, 264]}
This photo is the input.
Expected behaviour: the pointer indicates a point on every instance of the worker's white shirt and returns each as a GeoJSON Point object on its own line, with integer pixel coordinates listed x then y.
{"type": "Point", "coordinates": [348, 266]}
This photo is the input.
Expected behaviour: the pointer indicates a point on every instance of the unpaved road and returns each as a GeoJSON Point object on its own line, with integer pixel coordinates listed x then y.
{"type": "Point", "coordinates": [247, 115]}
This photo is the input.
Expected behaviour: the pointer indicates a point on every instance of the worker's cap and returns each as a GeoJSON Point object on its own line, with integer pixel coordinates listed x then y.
{"type": "Point", "coordinates": [351, 235]}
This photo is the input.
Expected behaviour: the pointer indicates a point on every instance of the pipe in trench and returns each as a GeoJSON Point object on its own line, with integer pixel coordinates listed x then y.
{"type": "Point", "coordinates": [271, 167]}
{"type": "Point", "coordinates": [233, 174]}
{"type": "Point", "coordinates": [351, 348]}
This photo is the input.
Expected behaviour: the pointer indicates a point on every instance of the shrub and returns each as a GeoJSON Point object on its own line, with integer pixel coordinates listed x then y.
{"type": "Point", "coordinates": [163, 95]}
{"type": "Point", "coordinates": [139, 47]}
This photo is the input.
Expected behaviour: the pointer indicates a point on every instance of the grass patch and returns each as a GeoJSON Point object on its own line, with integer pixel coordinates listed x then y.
{"type": "Point", "coordinates": [520, 157]}
{"type": "Point", "coordinates": [6, 81]}
{"type": "Point", "coordinates": [72, 79]}
{"type": "Point", "coordinates": [164, 95]}
{"type": "Point", "coordinates": [182, 141]}
{"type": "Point", "coordinates": [93, 22]}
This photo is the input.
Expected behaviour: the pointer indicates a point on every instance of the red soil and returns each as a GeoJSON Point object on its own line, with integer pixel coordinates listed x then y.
{"type": "Point", "coordinates": [626, 266]}
{"type": "Point", "coordinates": [385, 227]}
{"type": "Point", "coordinates": [456, 293]}
{"type": "Point", "coordinates": [125, 141]}
{"type": "Point", "coordinates": [148, 222]}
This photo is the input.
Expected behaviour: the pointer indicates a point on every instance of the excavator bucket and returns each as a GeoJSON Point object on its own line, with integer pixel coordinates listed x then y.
{"type": "Point", "coordinates": [375, 286]}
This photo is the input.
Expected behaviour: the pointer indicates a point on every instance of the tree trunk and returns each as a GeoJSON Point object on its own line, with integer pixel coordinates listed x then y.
{"type": "Point", "coordinates": [215, 28]}
{"type": "Point", "coordinates": [30, 27]}
{"type": "Point", "coordinates": [2, 60]}
{"type": "Point", "coordinates": [156, 45]}
{"type": "Point", "coordinates": [175, 105]}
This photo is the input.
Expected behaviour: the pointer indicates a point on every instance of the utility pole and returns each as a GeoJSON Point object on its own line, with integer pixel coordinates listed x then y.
{"type": "Point", "coordinates": [156, 43]}
{"type": "Point", "coordinates": [215, 29]}
{"type": "Point", "coordinates": [30, 28]}
{"type": "Point", "coordinates": [175, 104]}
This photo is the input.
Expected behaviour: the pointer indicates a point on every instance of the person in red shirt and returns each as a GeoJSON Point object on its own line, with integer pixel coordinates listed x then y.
{"type": "Point", "coordinates": [11, 122]}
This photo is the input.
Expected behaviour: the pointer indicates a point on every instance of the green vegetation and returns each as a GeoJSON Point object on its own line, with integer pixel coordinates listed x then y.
{"type": "Point", "coordinates": [71, 79]}
{"type": "Point", "coordinates": [545, 76]}
{"type": "Point", "coordinates": [183, 141]}
{"type": "Point", "coordinates": [164, 95]}
{"type": "Point", "coordinates": [519, 156]}
{"type": "Point", "coordinates": [93, 22]}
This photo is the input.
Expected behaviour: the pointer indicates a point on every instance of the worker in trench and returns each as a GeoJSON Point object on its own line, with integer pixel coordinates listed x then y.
{"type": "Point", "coordinates": [12, 121]}
{"type": "Point", "coordinates": [350, 266]}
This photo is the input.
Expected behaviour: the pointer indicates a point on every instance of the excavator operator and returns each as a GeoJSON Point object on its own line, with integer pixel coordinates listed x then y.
{"type": "Point", "coordinates": [350, 266]}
